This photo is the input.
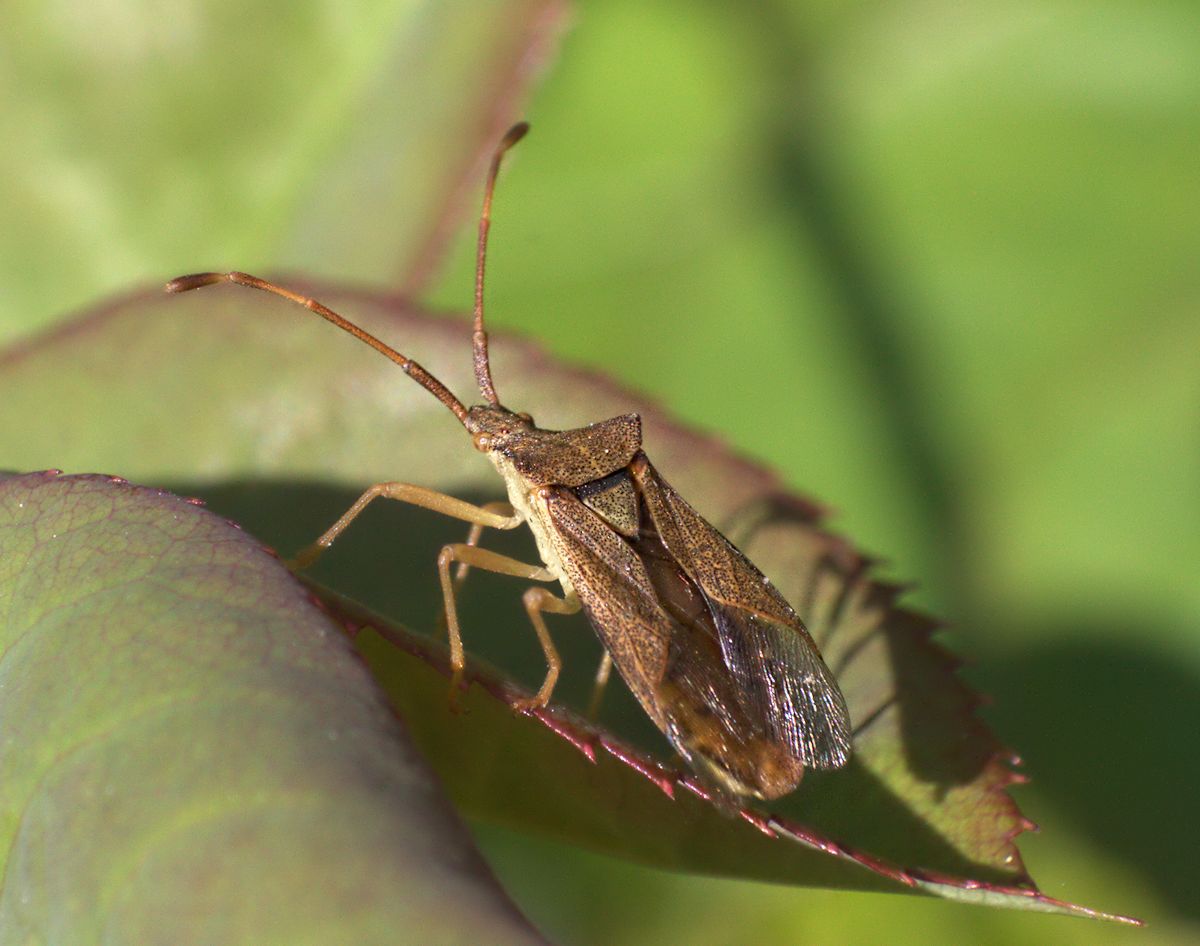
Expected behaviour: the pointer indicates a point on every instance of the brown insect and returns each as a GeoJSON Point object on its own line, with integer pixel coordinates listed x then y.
{"type": "Point", "coordinates": [715, 655]}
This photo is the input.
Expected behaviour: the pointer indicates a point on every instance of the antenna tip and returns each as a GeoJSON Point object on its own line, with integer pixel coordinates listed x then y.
{"type": "Point", "coordinates": [194, 281]}
{"type": "Point", "coordinates": [513, 135]}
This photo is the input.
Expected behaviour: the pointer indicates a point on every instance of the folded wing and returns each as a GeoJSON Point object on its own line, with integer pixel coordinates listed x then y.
{"type": "Point", "coordinates": [710, 649]}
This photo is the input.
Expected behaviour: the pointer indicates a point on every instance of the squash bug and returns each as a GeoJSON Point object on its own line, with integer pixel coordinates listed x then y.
{"type": "Point", "coordinates": [714, 654]}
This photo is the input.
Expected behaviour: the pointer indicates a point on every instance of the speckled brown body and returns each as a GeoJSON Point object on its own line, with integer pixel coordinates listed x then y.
{"type": "Point", "coordinates": [711, 650]}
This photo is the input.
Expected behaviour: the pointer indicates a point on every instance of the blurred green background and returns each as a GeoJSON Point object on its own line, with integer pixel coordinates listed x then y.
{"type": "Point", "coordinates": [935, 262]}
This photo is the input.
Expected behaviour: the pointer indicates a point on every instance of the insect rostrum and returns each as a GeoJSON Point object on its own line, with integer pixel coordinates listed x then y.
{"type": "Point", "coordinates": [714, 654]}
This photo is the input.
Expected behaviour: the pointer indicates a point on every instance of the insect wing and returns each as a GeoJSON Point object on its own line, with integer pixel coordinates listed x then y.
{"type": "Point", "coordinates": [727, 672]}
{"type": "Point", "coordinates": [654, 622]}
{"type": "Point", "coordinates": [617, 596]}
{"type": "Point", "coordinates": [782, 680]}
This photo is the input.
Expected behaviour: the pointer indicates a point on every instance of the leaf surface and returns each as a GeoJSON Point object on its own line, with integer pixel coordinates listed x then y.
{"type": "Point", "coordinates": [192, 752]}
{"type": "Point", "coordinates": [265, 403]}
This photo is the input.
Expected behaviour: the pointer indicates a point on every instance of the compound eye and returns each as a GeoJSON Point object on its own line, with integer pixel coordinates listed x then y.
{"type": "Point", "coordinates": [528, 418]}
{"type": "Point", "coordinates": [483, 442]}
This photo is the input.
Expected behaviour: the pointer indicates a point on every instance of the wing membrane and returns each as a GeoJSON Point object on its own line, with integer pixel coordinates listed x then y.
{"type": "Point", "coordinates": [786, 683]}
{"type": "Point", "coordinates": [782, 678]}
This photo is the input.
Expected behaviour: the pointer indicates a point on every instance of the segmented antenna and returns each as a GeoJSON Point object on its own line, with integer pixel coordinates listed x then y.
{"type": "Point", "coordinates": [479, 339]}
{"type": "Point", "coordinates": [409, 367]}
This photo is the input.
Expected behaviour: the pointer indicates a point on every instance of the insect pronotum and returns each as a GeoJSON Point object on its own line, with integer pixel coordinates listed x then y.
{"type": "Point", "coordinates": [714, 654]}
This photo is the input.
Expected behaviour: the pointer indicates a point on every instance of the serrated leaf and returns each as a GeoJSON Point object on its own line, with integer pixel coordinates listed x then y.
{"type": "Point", "coordinates": [927, 788]}
{"type": "Point", "coordinates": [192, 753]}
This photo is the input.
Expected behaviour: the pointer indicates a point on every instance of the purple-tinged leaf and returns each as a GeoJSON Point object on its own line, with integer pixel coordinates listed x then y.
{"type": "Point", "coordinates": [245, 398]}
{"type": "Point", "coordinates": [191, 751]}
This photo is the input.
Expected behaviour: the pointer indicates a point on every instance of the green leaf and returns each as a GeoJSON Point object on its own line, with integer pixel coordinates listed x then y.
{"type": "Point", "coordinates": [264, 399]}
{"type": "Point", "coordinates": [193, 754]}
{"type": "Point", "coordinates": [935, 252]}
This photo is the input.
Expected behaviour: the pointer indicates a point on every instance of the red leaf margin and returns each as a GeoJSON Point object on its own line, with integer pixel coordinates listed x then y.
{"type": "Point", "coordinates": [593, 742]}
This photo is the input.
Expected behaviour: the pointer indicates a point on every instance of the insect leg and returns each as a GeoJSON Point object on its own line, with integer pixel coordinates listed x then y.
{"type": "Point", "coordinates": [492, 562]}
{"type": "Point", "coordinates": [405, 493]}
{"type": "Point", "coordinates": [539, 600]}
{"type": "Point", "coordinates": [476, 530]}
{"type": "Point", "coordinates": [473, 534]}
{"type": "Point", "coordinates": [602, 674]}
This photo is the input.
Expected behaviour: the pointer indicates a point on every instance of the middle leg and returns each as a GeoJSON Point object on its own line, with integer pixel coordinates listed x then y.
{"type": "Point", "coordinates": [489, 561]}
{"type": "Point", "coordinates": [474, 534]}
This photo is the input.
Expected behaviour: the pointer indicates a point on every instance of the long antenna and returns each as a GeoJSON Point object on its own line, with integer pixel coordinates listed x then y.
{"type": "Point", "coordinates": [410, 367]}
{"type": "Point", "coordinates": [479, 339]}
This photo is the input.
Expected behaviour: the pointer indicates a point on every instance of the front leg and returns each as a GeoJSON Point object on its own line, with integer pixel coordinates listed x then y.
{"type": "Point", "coordinates": [481, 516]}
